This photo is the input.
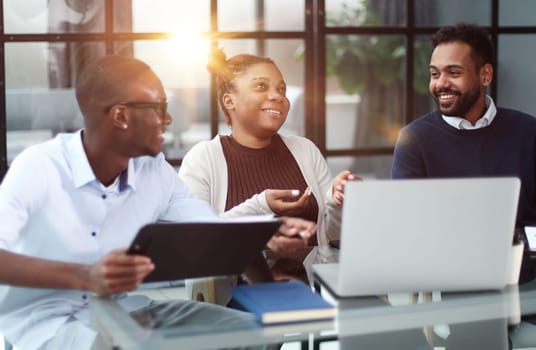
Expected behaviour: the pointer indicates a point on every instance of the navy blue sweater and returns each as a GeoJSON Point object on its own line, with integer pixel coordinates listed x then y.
{"type": "Point", "coordinates": [430, 148]}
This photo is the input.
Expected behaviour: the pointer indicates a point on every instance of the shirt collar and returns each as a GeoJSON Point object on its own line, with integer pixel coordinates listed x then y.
{"type": "Point", "coordinates": [82, 171]}
{"type": "Point", "coordinates": [464, 124]}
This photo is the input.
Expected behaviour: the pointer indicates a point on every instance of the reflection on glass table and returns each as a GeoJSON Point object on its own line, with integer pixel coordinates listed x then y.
{"type": "Point", "coordinates": [476, 320]}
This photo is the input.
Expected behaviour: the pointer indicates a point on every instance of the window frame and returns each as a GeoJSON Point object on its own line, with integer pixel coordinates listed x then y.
{"type": "Point", "coordinates": [314, 38]}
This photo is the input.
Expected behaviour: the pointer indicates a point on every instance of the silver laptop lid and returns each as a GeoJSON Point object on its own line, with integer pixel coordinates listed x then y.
{"type": "Point", "coordinates": [426, 234]}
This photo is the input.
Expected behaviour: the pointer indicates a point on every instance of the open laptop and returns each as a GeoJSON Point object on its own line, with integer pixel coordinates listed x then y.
{"type": "Point", "coordinates": [424, 235]}
{"type": "Point", "coordinates": [201, 249]}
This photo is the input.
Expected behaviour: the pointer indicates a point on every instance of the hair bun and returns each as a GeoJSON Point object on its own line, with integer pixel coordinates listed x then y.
{"type": "Point", "coordinates": [217, 62]}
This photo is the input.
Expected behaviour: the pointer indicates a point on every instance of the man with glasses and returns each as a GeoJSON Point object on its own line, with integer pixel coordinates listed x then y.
{"type": "Point", "coordinates": [70, 206]}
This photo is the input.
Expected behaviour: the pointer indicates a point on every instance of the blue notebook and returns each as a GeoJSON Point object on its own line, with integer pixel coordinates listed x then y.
{"type": "Point", "coordinates": [280, 302]}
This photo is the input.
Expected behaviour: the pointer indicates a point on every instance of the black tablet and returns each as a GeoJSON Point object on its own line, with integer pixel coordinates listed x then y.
{"type": "Point", "coordinates": [201, 249]}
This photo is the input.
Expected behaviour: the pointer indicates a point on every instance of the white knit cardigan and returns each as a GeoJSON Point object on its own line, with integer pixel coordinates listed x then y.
{"type": "Point", "coordinates": [204, 170]}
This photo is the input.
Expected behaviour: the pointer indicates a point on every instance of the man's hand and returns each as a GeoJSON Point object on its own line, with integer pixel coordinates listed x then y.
{"type": "Point", "coordinates": [293, 234]}
{"type": "Point", "coordinates": [118, 272]}
{"type": "Point", "coordinates": [287, 202]}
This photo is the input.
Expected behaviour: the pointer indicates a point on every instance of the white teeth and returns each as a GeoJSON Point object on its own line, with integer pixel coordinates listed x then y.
{"type": "Point", "coordinates": [272, 111]}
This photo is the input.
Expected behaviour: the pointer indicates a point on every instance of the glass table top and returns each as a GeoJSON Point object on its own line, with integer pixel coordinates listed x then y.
{"type": "Point", "coordinates": [476, 320]}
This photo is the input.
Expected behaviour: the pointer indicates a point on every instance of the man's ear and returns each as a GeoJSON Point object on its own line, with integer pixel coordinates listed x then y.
{"type": "Point", "coordinates": [119, 116]}
{"type": "Point", "coordinates": [228, 101]}
{"type": "Point", "coordinates": [486, 74]}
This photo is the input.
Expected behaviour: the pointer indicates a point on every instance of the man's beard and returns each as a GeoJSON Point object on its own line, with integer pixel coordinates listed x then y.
{"type": "Point", "coordinates": [463, 104]}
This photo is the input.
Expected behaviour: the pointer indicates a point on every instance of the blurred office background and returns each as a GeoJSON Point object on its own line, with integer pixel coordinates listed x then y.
{"type": "Point", "coordinates": [357, 70]}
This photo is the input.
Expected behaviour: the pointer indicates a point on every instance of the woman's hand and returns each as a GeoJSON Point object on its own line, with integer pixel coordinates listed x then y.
{"type": "Point", "coordinates": [338, 185]}
{"type": "Point", "coordinates": [293, 234]}
{"type": "Point", "coordinates": [118, 272]}
{"type": "Point", "coordinates": [287, 202]}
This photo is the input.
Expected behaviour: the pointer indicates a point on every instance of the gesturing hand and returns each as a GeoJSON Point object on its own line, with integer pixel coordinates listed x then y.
{"type": "Point", "coordinates": [287, 202]}
{"type": "Point", "coordinates": [338, 185]}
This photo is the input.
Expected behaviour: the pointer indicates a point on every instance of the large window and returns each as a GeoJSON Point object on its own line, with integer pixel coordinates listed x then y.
{"type": "Point", "coordinates": [357, 70]}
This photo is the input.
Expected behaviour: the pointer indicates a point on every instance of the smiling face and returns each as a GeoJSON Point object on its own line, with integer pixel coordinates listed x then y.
{"type": "Point", "coordinates": [143, 120]}
{"type": "Point", "coordinates": [457, 84]}
{"type": "Point", "coordinates": [258, 106]}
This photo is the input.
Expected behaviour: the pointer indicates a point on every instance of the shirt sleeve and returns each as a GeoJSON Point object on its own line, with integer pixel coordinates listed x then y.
{"type": "Point", "coordinates": [22, 189]}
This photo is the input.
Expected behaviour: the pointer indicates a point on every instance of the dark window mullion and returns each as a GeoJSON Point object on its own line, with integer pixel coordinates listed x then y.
{"type": "Point", "coordinates": [315, 59]}
{"type": "Point", "coordinates": [109, 25]}
{"type": "Point", "coordinates": [214, 116]}
{"type": "Point", "coordinates": [410, 67]}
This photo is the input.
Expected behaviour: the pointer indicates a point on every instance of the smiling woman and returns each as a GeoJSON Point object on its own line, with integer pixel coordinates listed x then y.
{"type": "Point", "coordinates": [257, 170]}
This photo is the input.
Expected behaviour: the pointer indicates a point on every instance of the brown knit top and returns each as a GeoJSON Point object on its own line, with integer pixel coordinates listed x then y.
{"type": "Point", "coordinates": [251, 171]}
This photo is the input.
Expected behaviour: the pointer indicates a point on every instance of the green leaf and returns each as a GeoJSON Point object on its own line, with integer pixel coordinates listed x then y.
{"type": "Point", "coordinates": [350, 72]}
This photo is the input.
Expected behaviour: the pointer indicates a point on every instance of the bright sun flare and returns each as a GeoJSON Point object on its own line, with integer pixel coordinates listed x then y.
{"type": "Point", "coordinates": [189, 45]}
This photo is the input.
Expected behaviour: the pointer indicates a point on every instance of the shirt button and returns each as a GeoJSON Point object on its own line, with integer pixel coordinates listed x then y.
{"type": "Point", "coordinates": [103, 196]}
{"type": "Point", "coordinates": [84, 296]}
{"type": "Point", "coordinates": [93, 234]}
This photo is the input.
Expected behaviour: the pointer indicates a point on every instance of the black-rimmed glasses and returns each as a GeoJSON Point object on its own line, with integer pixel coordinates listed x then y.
{"type": "Point", "coordinates": [159, 107]}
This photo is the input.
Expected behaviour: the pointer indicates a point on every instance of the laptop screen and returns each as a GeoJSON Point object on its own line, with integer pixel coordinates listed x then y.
{"type": "Point", "coordinates": [426, 234]}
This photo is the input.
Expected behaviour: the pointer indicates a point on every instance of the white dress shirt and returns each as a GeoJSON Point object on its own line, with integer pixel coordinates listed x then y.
{"type": "Point", "coordinates": [464, 124]}
{"type": "Point", "coordinates": [53, 207]}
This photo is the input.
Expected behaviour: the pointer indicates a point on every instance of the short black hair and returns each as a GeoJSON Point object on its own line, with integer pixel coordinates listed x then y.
{"type": "Point", "coordinates": [473, 35]}
{"type": "Point", "coordinates": [102, 81]}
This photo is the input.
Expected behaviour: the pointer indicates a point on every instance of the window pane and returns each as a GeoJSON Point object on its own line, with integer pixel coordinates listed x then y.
{"type": "Point", "coordinates": [186, 80]}
{"type": "Point", "coordinates": [283, 52]}
{"type": "Point", "coordinates": [53, 16]}
{"type": "Point", "coordinates": [365, 13]}
{"type": "Point", "coordinates": [27, 65]}
{"type": "Point", "coordinates": [516, 74]}
{"type": "Point", "coordinates": [47, 65]}
{"type": "Point", "coordinates": [365, 99]}
{"type": "Point", "coordinates": [237, 15]}
{"type": "Point", "coordinates": [280, 16]}
{"type": "Point", "coordinates": [244, 15]}
{"type": "Point", "coordinates": [40, 99]}
{"type": "Point", "coordinates": [448, 12]}
{"type": "Point", "coordinates": [170, 16]}
{"type": "Point", "coordinates": [517, 12]}
{"type": "Point", "coordinates": [422, 102]}
{"type": "Point", "coordinates": [368, 167]}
